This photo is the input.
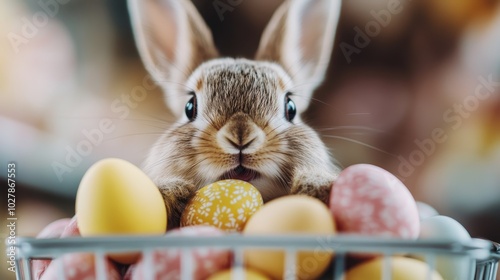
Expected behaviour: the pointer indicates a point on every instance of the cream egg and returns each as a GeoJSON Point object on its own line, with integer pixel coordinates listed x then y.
{"type": "Point", "coordinates": [425, 210]}
{"type": "Point", "coordinates": [447, 229]}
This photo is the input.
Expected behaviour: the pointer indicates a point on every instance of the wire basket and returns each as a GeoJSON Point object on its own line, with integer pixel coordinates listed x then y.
{"type": "Point", "coordinates": [482, 254]}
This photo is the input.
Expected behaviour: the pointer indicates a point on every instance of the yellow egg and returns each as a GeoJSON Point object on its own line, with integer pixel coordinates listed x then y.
{"type": "Point", "coordinates": [401, 269]}
{"type": "Point", "coordinates": [225, 204]}
{"type": "Point", "coordinates": [290, 215]}
{"type": "Point", "coordinates": [117, 198]}
{"type": "Point", "coordinates": [248, 274]}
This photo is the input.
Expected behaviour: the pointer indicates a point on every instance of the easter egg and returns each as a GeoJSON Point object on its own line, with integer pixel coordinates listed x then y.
{"type": "Point", "coordinates": [401, 269]}
{"type": "Point", "coordinates": [368, 200]}
{"type": "Point", "coordinates": [447, 229]}
{"type": "Point", "coordinates": [225, 204]}
{"type": "Point", "coordinates": [117, 198]}
{"type": "Point", "coordinates": [71, 228]}
{"type": "Point", "coordinates": [167, 262]}
{"type": "Point", "coordinates": [292, 215]}
{"type": "Point", "coordinates": [444, 228]}
{"type": "Point", "coordinates": [425, 210]}
{"type": "Point", "coordinates": [52, 230]}
{"type": "Point", "coordinates": [78, 266]}
{"type": "Point", "coordinates": [60, 228]}
{"type": "Point", "coordinates": [246, 274]}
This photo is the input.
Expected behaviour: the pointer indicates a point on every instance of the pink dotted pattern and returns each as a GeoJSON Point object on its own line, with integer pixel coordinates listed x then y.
{"type": "Point", "coordinates": [368, 200]}
{"type": "Point", "coordinates": [167, 262]}
{"type": "Point", "coordinates": [57, 229]}
{"type": "Point", "coordinates": [53, 230]}
{"type": "Point", "coordinates": [79, 266]}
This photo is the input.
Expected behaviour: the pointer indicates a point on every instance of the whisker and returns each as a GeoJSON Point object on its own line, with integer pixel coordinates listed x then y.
{"type": "Point", "coordinates": [360, 143]}
{"type": "Point", "coordinates": [272, 131]}
{"type": "Point", "coordinates": [351, 127]}
{"type": "Point", "coordinates": [356, 133]}
{"type": "Point", "coordinates": [359, 114]}
{"type": "Point", "coordinates": [323, 102]}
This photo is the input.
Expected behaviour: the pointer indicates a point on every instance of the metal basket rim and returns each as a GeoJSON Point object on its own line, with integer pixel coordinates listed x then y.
{"type": "Point", "coordinates": [480, 249]}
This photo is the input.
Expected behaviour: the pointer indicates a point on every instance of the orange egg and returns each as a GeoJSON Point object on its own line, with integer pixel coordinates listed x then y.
{"type": "Point", "coordinates": [247, 274]}
{"type": "Point", "coordinates": [401, 269]}
{"type": "Point", "coordinates": [292, 215]}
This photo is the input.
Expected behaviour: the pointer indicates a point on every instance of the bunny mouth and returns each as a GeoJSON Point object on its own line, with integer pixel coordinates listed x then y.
{"type": "Point", "coordinates": [241, 173]}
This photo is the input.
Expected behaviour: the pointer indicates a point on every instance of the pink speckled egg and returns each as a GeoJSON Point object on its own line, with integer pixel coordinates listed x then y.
{"type": "Point", "coordinates": [71, 229]}
{"type": "Point", "coordinates": [60, 228]}
{"type": "Point", "coordinates": [167, 262]}
{"type": "Point", "coordinates": [79, 266]}
{"type": "Point", "coordinates": [52, 230]}
{"type": "Point", "coordinates": [368, 200]}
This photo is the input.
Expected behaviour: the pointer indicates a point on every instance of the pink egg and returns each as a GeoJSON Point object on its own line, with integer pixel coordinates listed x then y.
{"type": "Point", "coordinates": [52, 230]}
{"type": "Point", "coordinates": [167, 262]}
{"type": "Point", "coordinates": [368, 200]}
{"type": "Point", "coordinates": [79, 266]}
{"type": "Point", "coordinates": [60, 228]}
{"type": "Point", "coordinates": [71, 229]}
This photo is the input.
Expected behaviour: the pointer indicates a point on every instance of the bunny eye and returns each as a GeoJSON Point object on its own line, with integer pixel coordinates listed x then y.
{"type": "Point", "coordinates": [191, 109]}
{"type": "Point", "coordinates": [290, 109]}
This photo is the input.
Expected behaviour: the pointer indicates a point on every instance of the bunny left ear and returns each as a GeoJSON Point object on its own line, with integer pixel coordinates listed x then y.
{"type": "Point", "coordinates": [173, 40]}
{"type": "Point", "coordinates": [300, 38]}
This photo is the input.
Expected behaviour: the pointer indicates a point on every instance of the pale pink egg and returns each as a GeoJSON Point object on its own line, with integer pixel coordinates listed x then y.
{"type": "Point", "coordinates": [60, 228]}
{"type": "Point", "coordinates": [52, 230]}
{"type": "Point", "coordinates": [79, 266]}
{"type": "Point", "coordinates": [368, 200]}
{"type": "Point", "coordinates": [71, 228]}
{"type": "Point", "coordinates": [167, 262]}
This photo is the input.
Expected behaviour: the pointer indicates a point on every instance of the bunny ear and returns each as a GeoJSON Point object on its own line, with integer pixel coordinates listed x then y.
{"type": "Point", "coordinates": [172, 40]}
{"type": "Point", "coordinates": [300, 38]}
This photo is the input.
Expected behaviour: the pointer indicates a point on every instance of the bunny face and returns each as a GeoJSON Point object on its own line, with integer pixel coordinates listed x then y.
{"type": "Point", "coordinates": [237, 118]}
{"type": "Point", "coordinates": [240, 122]}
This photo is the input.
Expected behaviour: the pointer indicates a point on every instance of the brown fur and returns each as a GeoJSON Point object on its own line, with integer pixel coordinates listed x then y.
{"type": "Point", "coordinates": [241, 108]}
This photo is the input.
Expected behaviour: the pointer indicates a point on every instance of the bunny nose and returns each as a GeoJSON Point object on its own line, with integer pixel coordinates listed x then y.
{"type": "Point", "coordinates": [240, 133]}
{"type": "Point", "coordinates": [240, 147]}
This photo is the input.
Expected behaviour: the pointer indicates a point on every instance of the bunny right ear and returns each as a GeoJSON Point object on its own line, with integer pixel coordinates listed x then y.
{"type": "Point", "coordinates": [172, 40]}
{"type": "Point", "coordinates": [300, 38]}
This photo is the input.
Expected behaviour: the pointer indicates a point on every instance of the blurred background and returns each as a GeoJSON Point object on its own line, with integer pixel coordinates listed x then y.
{"type": "Point", "coordinates": [415, 91]}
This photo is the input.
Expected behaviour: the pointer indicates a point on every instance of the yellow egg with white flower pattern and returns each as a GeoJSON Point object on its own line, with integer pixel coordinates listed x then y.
{"type": "Point", "coordinates": [226, 204]}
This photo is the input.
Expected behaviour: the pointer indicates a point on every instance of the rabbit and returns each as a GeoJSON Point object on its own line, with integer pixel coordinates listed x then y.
{"type": "Point", "coordinates": [237, 118]}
